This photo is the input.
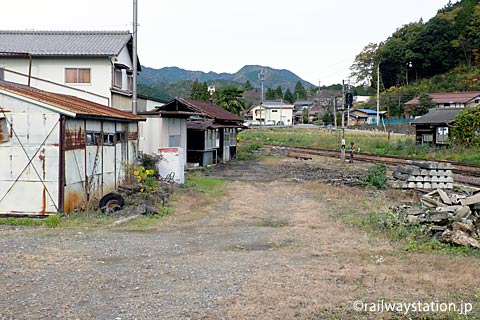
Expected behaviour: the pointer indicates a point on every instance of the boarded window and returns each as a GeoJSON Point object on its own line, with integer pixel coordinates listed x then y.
{"type": "Point", "coordinates": [77, 75]}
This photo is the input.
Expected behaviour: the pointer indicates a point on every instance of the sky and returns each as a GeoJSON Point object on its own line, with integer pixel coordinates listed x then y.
{"type": "Point", "coordinates": [315, 39]}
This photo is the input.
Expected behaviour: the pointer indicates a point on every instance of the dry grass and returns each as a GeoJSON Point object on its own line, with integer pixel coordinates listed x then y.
{"type": "Point", "coordinates": [332, 264]}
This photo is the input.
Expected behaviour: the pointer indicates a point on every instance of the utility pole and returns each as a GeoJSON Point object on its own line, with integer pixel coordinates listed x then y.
{"type": "Point", "coordinates": [335, 111]}
{"type": "Point", "coordinates": [378, 93]}
{"type": "Point", "coordinates": [134, 49]}
{"type": "Point", "coordinates": [261, 77]}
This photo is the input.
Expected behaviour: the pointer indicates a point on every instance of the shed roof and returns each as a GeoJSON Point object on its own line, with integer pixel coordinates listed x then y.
{"type": "Point", "coordinates": [64, 43]}
{"type": "Point", "coordinates": [448, 97]}
{"type": "Point", "coordinates": [438, 116]}
{"type": "Point", "coordinates": [68, 105]}
{"type": "Point", "coordinates": [211, 110]}
{"type": "Point", "coordinates": [369, 111]}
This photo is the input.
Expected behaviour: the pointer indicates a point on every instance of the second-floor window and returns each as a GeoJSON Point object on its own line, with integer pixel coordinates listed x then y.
{"type": "Point", "coordinates": [77, 75]}
{"type": "Point", "coordinates": [117, 78]}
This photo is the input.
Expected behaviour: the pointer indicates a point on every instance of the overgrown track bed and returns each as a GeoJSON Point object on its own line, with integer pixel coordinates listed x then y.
{"type": "Point", "coordinates": [465, 173]}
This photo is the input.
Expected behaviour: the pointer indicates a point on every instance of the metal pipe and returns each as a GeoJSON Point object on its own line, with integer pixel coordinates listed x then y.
{"type": "Point", "coordinates": [135, 67]}
{"type": "Point", "coordinates": [61, 167]}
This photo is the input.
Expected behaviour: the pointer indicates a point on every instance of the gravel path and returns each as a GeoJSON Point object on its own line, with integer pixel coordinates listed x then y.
{"type": "Point", "coordinates": [267, 250]}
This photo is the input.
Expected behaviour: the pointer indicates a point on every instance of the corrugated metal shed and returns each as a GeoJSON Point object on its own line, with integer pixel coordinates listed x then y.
{"type": "Point", "coordinates": [60, 151]}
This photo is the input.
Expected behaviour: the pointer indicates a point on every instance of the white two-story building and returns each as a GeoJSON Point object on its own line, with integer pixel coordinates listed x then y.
{"type": "Point", "coordinates": [93, 65]}
{"type": "Point", "coordinates": [273, 113]}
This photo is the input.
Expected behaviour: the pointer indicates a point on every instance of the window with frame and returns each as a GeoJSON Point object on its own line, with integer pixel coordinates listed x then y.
{"type": "Point", "coordinates": [77, 75]}
{"type": "Point", "coordinates": [174, 141]}
{"type": "Point", "coordinates": [109, 139]}
{"type": "Point", "coordinates": [2, 74]}
{"type": "Point", "coordinates": [427, 138]}
{"type": "Point", "coordinates": [94, 138]}
{"type": "Point", "coordinates": [117, 78]}
{"type": "Point", "coordinates": [442, 135]}
{"type": "Point", "coordinates": [120, 137]}
{"type": "Point", "coordinates": [130, 80]}
{"type": "Point", "coordinates": [4, 136]}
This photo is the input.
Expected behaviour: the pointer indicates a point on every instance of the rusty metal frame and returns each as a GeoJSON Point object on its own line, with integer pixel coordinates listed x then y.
{"type": "Point", "coordinates": [30, 160]}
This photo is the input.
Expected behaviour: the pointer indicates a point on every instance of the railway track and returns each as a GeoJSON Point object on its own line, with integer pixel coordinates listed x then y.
{"type": "Point", "coordinates": [464, 173]}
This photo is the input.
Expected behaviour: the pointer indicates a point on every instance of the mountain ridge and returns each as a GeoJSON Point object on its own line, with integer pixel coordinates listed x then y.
{"type": "Point", "coordinates": [274, 77]}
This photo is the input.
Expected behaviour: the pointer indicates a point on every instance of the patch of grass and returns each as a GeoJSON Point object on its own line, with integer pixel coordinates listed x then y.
{"type": "Point", "coordinates": [24, 222]}
{"type": "Point", "coordinates": [246, 151]}
{"type": "Point", "coordinates": [53, 221]}
{"type": "Point", "coordinates": [209, 187]}
{"type": "Point", "coordinates": [86, 219]}
{"type": "Point", "coordinates": [377, 143]}
{"type": "Point", "coordinates": [271, 224]}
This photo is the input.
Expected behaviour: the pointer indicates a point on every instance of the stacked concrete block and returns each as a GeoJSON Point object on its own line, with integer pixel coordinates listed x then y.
{"type": "Point", "coordinates": [424, 175]}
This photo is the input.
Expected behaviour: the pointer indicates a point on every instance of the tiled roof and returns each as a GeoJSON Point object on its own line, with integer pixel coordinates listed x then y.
{"type": "Point", "coordinates": [64, 43]}
{"type": "Point", "coordinates": [449, 97]}
{"type": "Point", "coordinates": [211, 110]}
{"type": "Point", "coordinates": [69, 104]}
{"type": "Point", "coordinates": [438, 116]}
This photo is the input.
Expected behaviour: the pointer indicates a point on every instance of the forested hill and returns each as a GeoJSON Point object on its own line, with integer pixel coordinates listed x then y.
{"type": "Point", "coordinates": [174, 81]}
{"type": "Point", "coordinates": [447, 44]}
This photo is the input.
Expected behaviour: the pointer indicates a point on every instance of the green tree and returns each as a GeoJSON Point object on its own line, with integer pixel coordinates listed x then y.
{"type": "Point", "coordinates": [466, 129]}
{"type": "Point", "coordinates": [327, 118]}
{"type": "Point", "coordinates": [270, 94]}
{"type": "Point", "coordinates": [288, 96]}
{"type": "Point", "coordinates": [278, 93]}
{"type": "Point", "coordinates": [230, 98]}
{"type": "Point", "coordinates": [248, 86]}
{"type": "Point", "coordinates": [299, 92]}
{"type": "Point", "coordinates": [425, 103]}
{"type": "Point", "coordinates": [364, 66]}
{"type": "Point", "coordinates": [199, 91]}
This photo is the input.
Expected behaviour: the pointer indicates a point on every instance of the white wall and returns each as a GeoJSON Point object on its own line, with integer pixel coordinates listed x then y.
{"type": "Point", "coordinates": [29, 159]}
{"type": "Point", "coordinates": [53, 69]}
{"type": "Point", "coordinates": [274, 114]}
{"type": "Point", "coordinates": [156, 131]}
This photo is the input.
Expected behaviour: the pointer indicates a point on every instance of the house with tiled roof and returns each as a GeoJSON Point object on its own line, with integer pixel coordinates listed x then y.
{"type": "Point", "coordinates": [451, 99]}
{"type": "Point", "coordinates": [58, 152]}
{"type": "Point", "coordinates": [206, 131]}
{"type": "Point", "coordinates": [93, 65]}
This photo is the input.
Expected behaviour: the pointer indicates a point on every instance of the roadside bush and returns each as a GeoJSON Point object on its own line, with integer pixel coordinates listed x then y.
{"type": "Point", "coordinates": [377, 176]}
{"type": "Point", "coordinates": [245, 152]}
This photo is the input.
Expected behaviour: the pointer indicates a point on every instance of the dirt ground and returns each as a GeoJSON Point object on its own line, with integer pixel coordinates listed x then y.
{"type": "Point", "coordinates": [274, 247]}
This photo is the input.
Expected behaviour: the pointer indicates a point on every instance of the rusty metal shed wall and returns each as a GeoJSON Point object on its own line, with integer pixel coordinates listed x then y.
{"type": "Point", "coordinates": [29, 159]}
{"type": "Point", "coordinates": [97, 169]}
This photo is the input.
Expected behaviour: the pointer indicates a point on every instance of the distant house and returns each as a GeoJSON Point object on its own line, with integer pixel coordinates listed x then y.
{"type": "Point", "coordinates": [273, 113]}
{"type": "Point", "coordinates": [59, 151]}
{"type": "Point", "coordinates": [451, 99]}
{"type": "Point", "coordinates": [93, 65]}
{"type": "Point", "coordinates": [365, 116]}
{"type": "Point", "coordinates": [434, 127]}
{"type": "Point", "coordinates": [211, 131]}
